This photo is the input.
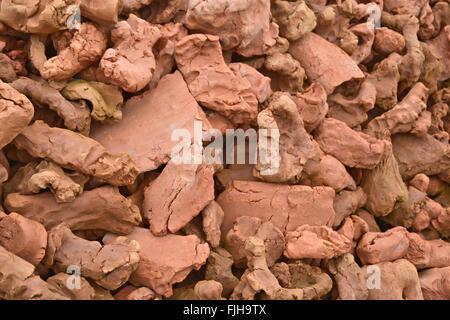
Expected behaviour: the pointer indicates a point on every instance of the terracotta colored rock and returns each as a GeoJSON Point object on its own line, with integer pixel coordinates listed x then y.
{"type": "Point", "coordinates": [346, 203]}
{"type": "Point", "coordinates": [376, 247]}
{"type": "Point", "coordinates": [312, 105]}
{"type": "Point", "coordinates": [44, 16]}
{"type": "Point", "coordinates": [245, 227]}
{"type": "Point", "coordinates": [286, 207]}
{"type": "Point", "coordinates": [420, 182]}
{"type": "Point", "coordinates": [91, 158]}
{"type": "Point", "coordinates": [177, 196]}
{"type": "Point", "coordinates": [349, 277]}
{"type": "Point", "coordinates": [39, 92]}
{"type": "Point", "coordinates": [295, 19]}
{"type": "Point", "coordinates": [164, 260]}
{"type": "Point", "coordinates": [298, 155]}
{"type": "Point", "coordinates": [315, 283]}
{"type": "Point", "coordinates": [442, 46]}
{"type": "Point", "coordinates": [435, 284]}
{"type": "Point", "coordinates": [102, 208]}
{"type": "Point", "coordinates": [23, 237]}
{"type": "Point", "coordinates": [423, 154]}
{"type": "Point", "coordinates": [8, 74]}
{"type": "Point", "coordinates": [106, 100]}
{"type": "Point", "coordinates": [212, 83]}
{"type": "Point", "coordinates": [134, 5]}
{"type": "Point", "coordinates": [103, 12]}
{"type": "Point", "coordinates": [286, 72]}
{"type": "Point", "coordinates": [352, 110]}
{"type": "Point", "coordinates": [212, 221]}
{"type": "Point", "coordinates": [145, 112]}
{"type": "Point", "coordinates": [427, 253]}
{"type": "Point", "coordinates": [404, 117]}
{"type": "Point", "coordinates": [388, 41]}
{"type": "Point", "coordinates": [60, 281]}
{"type": "Point", "coordinates": [318, 57]}
{"type": "Point", "coordinates": [259, 83]}
{"type": "Point", "coordinates": [131, 69]}
{"type": "Point", "coordinates": [4, 168]}
{"type": "Point", "coordinates": [352, 148]}
{"type": "Point", "coordinates": [208, 290]}
{"type": "Point", "coordinates": [162, 11]}
{"type": "Point", "coordinates": [35, 177]}
{"type": "Point", "coordinates": [384, 187]}
{"type": "Point", "coordinates": [369, 219]}
{"type": "Point", "coordinates": [316, 242]}
{"type": "Point", "coordinates": [110, 265]}
{"type": "Point", "coordinates": [259, 279]}
{"type": "Point", "coordinates": [398, 281]}
{"type": "Point", "coordinates": [85, 48]}
{"type": "Point", "coordinates": [405, 213]}
{"type": "Point", "coordinates": [18, 281]}
{"type": "Point", "coordinates": [134, 293]}
{"type": "Point", "coordinates": [243, 26]}
{"type": "Point", "coordinates": [16, 112]}
{"type": "Point", "coordinates": [218, 268]}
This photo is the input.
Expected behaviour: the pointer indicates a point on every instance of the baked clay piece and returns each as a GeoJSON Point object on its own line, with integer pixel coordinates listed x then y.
{"type": "Point", "coordinates": [136, 293]}
{"type": "Point", "coordinates": [420, 154]}
{"type": "Point", "coordinates": [295, 19]}
{"type": "Point", "coordinates": [398, 280]}
{"type": "Point", "coordinates": [346, 203]}
{"type": "Point", "coordinates": [388, 41]}
{"type": "Point", "coordinates": [242, 26]}
{"type": "Point", "coordinates": [352, 148]}
{"type": "Point", "coordinates": [102, 208]}
{"type": "Point", "coordinates": [318, 57]}
{"type": "Point", "coordinates": [145, 112]}
{"type": "Point", "coordinates": [442, 45]}
{"type": "Point", "coordinates": [177, 196]}
{"type": "Point", "coordinates": [16, 112]}
{"type": "Point", "coordinates": [39, 92]}
{"type": "Point", "coordinates": [110, 265]}
{"type": "Point", "coordinates": [435, 283]}
{"type": "Point", "coordinates": [315, 283]}
{"type": "Point", "coordinates": [19, 282]}
{"type": "Point", "coordinates": [23, 237]}
{"type": "Point", "coordinates": [34, 177]}
{"type": "Point", "coordinates": [218, 268]}
{"type": "Point", "coordinates": [91, 158]}
{"type": "Point", "coordinates": [43, 16]}
{"type": "Point", "coordinates": [349, 277]}
{"type": "Point", "coordinates": [102, 12]}
{"type": "Point", "coordinates": [245, 227]}
{"type": "Point", "coordinates": [212, 83]}
{"type": "Point", "coordinates": [258, 279]}
{"type": "Point", "coordinates": [130, 64]}
{"type": "Point", "coordinates": [84, 48]}
{"type": "Point", "coordinates": [164, 260]}
{"type": "Point", "coordinates": [286, 207]}
{"type": "Point", "coordinates": [298, 155]}
{"type": "Point", "coordinates": [212, 219]}
{"type": "Point", "coordinates": [316, 242]}
{"type": "Point", "coordinates": [259, 83]}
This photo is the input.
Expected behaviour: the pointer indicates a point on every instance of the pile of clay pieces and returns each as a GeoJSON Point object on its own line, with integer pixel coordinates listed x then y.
{"type": "Point", "coordinates": [96, 95]}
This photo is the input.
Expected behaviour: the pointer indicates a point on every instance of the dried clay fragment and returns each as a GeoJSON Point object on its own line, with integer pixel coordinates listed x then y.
{"type": "Point", "coordinates": [286, 207]}
{"type": "Point", "coordinates": [212, 83]}
{"type": "Point", "coordinates": [102, 12]}
{"type": "Point", "coordinates": [312, 105]}
{"type": "Point", "coordinates": [295, 19]}
{"type": "Point", "coordinates": [349, 278]}
{"type": "Point", "coordinates": [346, 203]}
{"type": "Point", "coordinates": [88, 156]}
{"type": "Point", "coordinates": [177, 196]}
{"type": "Point", "coordinates": [131, 63]}
{"type": "Point", "coordinates": [164, 260]}
{"type": "Point", "coordinates": [318, 57]}
{"type": "Point", "coordinates": [106, 100]}
{"type": "Point", "coordinates": [315, 283]}
{"type": "Point", "coordinates": [145, 112]}
{"type": "Point", "coordinates": [259, 83]}
{"type": "Point", "coordinates": [245, 227]}
{"type": "Point", "coordinates": [316, 242]}
{"type": "Point", "coordinates": [435, 283]}
{"type": "Point", "coordinates": [85, 48]}
{"type": "Point", "coordinates": [212, 221]}
{"type": "Point", "coordinates": [218, 268]}
{"type": "Point", "coordinates": [298, 155]}
{"type": "Point", "coordinates": [75, 118]}
{"type": "Point", "coordinates": [35, 177]}
{"type": "Point", "coordinates": [23, 237]}
{"type": "Point", "coordinates": [110, 265]}
{"type": "Point", "coordinates": [16, 112]}
{"type": "Point", "coordinates": [405, 213]}
{"type": "Point", "coordinates": [43, 16]}
{"type": "Point", "coordinates": [286, 73]}
{"type": "Point", "coordinates": [332, 173]}
{"type": "Point", "coordinates": [242, 25]}
{"type": "Point", "coordinates": [388, 41]}
{"type": "Point", "coordinates": [136, 293]}
{"type": "Point", "coordinates": [258, 279]}
{"type": "Point", "coordinates": [352, 148]}
{"type": "Point", "coordinates": [61, 280]}
{"type": "Point", "coordinates": [398, 280]}
{"type": "Point", "coordinates": [427, 253]}
{"type": "Point", "coordinates": [102, 208]}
